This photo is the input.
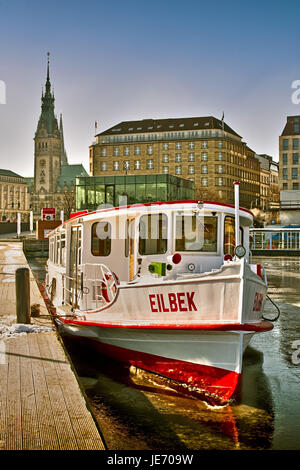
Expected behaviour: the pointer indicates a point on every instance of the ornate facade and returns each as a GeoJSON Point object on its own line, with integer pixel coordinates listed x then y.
{"type": "Point", "coordinates": [53, 184]}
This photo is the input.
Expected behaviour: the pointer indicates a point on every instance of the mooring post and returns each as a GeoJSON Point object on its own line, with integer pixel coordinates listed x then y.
{"type": "Point", "coordinates": [23, 295]}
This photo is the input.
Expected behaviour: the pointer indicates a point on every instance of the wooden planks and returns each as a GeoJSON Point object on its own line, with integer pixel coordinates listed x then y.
{"type": "Point", "coordinates": [41, 404]}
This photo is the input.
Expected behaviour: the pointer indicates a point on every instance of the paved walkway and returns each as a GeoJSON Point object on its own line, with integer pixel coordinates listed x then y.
{"type": "Point", "coordinates": [41, 404]}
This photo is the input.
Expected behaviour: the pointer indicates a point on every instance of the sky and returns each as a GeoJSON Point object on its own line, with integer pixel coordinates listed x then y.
{"type": "Point", "coordinates": [129, 60]}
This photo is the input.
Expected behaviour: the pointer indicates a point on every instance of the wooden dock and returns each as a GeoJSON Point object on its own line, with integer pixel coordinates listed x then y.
{"type": "Point", "coordinates": [42, 406]}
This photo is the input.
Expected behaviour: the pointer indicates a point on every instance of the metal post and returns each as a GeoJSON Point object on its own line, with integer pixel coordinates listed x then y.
{"type": "Point", "coordinates": [18, 224]}
{"type": "Point", "coordinates": [31, 221]}
{"type": "Point", "coordinates": [236, 210]}
{"type": "Point", "coordinates": [23, 295]}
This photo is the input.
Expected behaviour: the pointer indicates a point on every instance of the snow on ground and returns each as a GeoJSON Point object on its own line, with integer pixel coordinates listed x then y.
{"type": "Point", "coordinates": [18, 329]}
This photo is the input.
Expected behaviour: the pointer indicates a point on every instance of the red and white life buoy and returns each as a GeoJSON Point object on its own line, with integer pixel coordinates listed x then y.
{"type": "Point", "coordinates": [108, 286]}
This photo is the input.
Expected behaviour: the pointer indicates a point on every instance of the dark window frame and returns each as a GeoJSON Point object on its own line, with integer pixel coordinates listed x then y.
{"type": "Point", "coordinates": [104, 252]}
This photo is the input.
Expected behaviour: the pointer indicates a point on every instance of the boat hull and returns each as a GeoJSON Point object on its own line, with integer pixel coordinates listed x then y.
{"type": "Point", "coordinates": [203, 362]}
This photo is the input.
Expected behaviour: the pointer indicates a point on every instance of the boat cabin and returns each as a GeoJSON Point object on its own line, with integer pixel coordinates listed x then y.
{"type": "Point", "coordinates": [156, 241]}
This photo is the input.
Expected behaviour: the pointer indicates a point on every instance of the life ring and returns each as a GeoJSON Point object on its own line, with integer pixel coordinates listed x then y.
{"type": "Point", "coordinates": [108, 286]}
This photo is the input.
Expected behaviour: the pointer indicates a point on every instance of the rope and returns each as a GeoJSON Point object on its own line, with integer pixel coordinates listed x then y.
{"type": "Point", "coordinates": [276, 306]}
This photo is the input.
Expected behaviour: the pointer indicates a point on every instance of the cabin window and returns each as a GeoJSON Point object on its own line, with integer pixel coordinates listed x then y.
{"type": "Point", "coordinates": [153, 234]}
{"type": "Point", "coordinates": [194, 233]}
{"type": "Point", "coordinates": [63, 249]}
{"type": "Point", "coordinates": [57, 249]}
{"type": "Point", "coordinates": [229, 235]}
{"type": "Point", "coordinates": [127, 238]}
{"type": "Point", "coordinates": [101, 238]}
{"type": "Point", "coordinates": [51, 249]}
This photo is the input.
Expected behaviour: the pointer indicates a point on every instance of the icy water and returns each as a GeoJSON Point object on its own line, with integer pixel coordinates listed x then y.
{"type": "Point", "coordinates": [135, 412]}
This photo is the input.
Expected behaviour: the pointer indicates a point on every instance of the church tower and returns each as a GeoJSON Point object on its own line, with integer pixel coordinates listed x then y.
{"type": "Point", "coordinates": [47, 144]}
{"type": "Point", "coordinates": [53, 184]}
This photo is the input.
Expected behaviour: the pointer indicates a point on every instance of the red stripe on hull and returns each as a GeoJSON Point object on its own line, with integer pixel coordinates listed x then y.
{"type": "Point", "coordinates": [218, 384]}
{"type": "Point", "coordinates": [263, 325]}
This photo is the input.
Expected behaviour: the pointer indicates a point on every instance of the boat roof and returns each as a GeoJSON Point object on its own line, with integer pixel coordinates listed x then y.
{"type": "Point", "coordinates": [155, 206]}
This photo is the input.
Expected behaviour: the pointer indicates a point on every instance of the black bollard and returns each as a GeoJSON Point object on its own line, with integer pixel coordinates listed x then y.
{"type": "Point", "coordinates": [23, 295]}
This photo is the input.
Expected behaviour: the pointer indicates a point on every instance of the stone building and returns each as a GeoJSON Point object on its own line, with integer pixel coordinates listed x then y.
{"type": "Point", "coordinates": [14, 196]}
{"type": "Point", "coordinates": [203, 149]}
{"type": "Point", "coordinates": [53, 184]}
{"type": "Point", "coordinates": [289, 171]}
{"type": "Point", "coordinates": [269, 184]}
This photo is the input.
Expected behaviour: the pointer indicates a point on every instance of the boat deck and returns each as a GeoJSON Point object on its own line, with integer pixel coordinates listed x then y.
{"type": "Point", "coordinates": [42, 406]}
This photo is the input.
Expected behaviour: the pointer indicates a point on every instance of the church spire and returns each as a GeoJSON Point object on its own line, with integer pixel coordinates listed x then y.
{"type": "Point", "coordinates": [47, 117]}
{"type": "Point", "coordinates": [48, 83]}
{"type": "Point", "coordinates": [63, 154]}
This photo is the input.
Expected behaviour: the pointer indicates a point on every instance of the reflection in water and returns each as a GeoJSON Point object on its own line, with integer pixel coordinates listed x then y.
{"type": "Point", "coordinates": [136, 410]}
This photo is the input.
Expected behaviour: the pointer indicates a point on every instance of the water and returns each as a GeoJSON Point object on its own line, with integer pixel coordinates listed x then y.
{"type": "Point", "coordinates": [136, 412]}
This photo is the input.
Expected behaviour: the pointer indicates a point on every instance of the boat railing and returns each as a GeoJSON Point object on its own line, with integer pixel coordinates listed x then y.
{"type": "Point", "coordinates": [95, 287]}
{"type": "Point", "coordinates": [280, 238]}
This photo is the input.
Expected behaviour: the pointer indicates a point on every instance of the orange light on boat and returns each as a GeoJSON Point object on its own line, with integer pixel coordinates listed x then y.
{"type": "Point", "coordinates": [228, 257]}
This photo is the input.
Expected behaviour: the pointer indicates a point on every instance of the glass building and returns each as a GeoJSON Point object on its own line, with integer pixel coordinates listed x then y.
{"type": "Point", "coordinates": [93, 191]}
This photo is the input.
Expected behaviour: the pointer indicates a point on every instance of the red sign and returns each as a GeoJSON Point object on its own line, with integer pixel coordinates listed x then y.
{"type": "Point", "coordinates": [48, 213]}
{"type": "Point", "coordinates": [258, 300]}
{"type": "Point", "coordinates": [180, 302]}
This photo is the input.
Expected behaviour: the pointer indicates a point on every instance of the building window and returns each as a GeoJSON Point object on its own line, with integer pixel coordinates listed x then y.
{"type": "Point", "coordinates": [103, 152]}
{"type": "Point", "coordinates": [178, 170]}
{"type": "Point", "coordinates": [220, 144]}
{"type": "Point", "coordinates": [178, 157]}
{"type": "Point", "coordinates": [165, 158]}
{"type": "Point", "coordinates": [126, 151]}
{"type": "Point", "coordinates": [284, 158]}
{"type": "Point", "coordinates": [191, 157]}
{"type": "Point", "coordinates": [204, 156]}
{"type": "Point", "coordinates": [285, 186]}
{"type": "Point", "coordinates": [191, 169]}
{"type": "Point", "coordinates": [126, 165]}
{"type": "Point", "coordinates": [103, 166]}
{"type": "Point", "coordinates": [116, 166]}
{"type": "Point", "coordinates": [220, 181]}
{"type": "Point", "coordinates": [295, 144]}
{"type": "Point", "coordinates": [150, 164]}
{"type": "Point", "coordinates": [296, 186]}
{"type": "Point", "coordinates": [285, 173]}
{"type": "Point", "coordinates": [116, 151]}
{"type": "Point", "coordinates": [178, 145]}
{"type": "Point", "coordinates": [294, 173]}
{"type": "Point", "coordinates": [204, 144]}
{"type": "Point", "coordinates": [101, 239]}
{"type": "Point", "coordinates": [150, 150]}
{"type": "Point", "coordinates": [166, 146]}
{"type": "Point", "coordinates": [204, 169]}
{"type": "Point", "coordinates": [285, 144]}
{"type": "Point", "coordinates": [137, 150]}
{"type": "Point", "coordinates": [295, 159]}
{"type": "Point", "coordinates": [191, 145]}
{"type": "Point", "coordinates": [220, 156]}
{"type": "Point", "coordinates": [137, 164]}
{"type": "Point", "coordinates": [165, 169]}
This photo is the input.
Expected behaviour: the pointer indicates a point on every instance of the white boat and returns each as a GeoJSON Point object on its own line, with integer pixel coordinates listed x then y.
{"type": "Point", "coordinates": [166, 287]}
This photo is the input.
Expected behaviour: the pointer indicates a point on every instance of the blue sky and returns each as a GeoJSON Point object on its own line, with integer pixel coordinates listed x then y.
{"type": "Point", "coordinates": [115, 61]}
